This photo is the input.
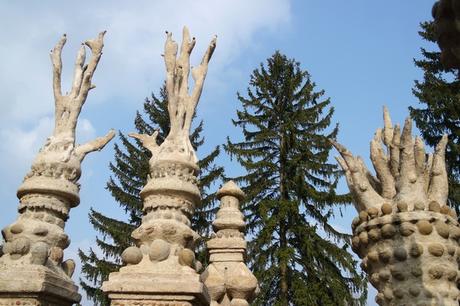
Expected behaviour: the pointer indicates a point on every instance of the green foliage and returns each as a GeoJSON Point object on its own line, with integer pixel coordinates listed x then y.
{"type": "Point", "coordinates": [297, 256]}
{"type": "Point", "coordinates": [439, 112]}
{"type": "Point", "coordinates": [130, 171]}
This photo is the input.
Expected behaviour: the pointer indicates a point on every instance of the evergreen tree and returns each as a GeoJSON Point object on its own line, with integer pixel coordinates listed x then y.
{"type": "Point", "coordinates": [297, 256]}
{"type": "Point", "coordinates": [130, 171]}
{"type": "Point", "coordinates": [439, 113]}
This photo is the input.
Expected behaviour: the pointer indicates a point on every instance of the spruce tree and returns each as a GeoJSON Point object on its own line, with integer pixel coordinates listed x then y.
{"type": "Point", "coordinates": [297, 256]}
{"type": "Point", "coordinates": [129, 175]}
{"type": "Point", "coordinates": [439, 112]}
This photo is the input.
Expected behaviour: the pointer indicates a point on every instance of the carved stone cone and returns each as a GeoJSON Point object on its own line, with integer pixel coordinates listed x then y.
{"type": "Point", "coordinates": [161, 269]}
{"type": "Point", "coordinates": [32, 270]}
{"type": "Point", "coordinates": [406, 235]}
{"type": "Point", "coordinates": [227, 278]}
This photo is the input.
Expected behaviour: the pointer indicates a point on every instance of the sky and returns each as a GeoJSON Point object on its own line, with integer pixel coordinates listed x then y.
{"type": "Point", "coordinates": [360, 52]}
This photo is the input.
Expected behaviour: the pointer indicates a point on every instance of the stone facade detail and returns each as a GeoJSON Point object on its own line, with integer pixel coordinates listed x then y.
{"type": "Point", "coordinates": [32, 268]}
{"type": "Point", "coordinates": [228, 279]}
{"type": "Point", "coordinates": [405, 233]}
{"type": "Point", "coordinates": [161, 269]}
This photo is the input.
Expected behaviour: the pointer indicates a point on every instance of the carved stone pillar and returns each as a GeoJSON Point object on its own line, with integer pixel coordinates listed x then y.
{"type": "Point", "coordinates": [228, 279]}
{"type": "Point", "coordinates": [405, 234]}
{"type": "Point", "coordinates": [161, 268]}
{"type": "Point", "coordinates": [32, 270]}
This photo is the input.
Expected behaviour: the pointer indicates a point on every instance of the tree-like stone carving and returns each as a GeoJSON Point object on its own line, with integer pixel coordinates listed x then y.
{"type": "Point", "coordinates": [163, 254]}
{"type": "Point", "coordinates": [228, 279]}
{"type": "Point", "coordinates": [405, 234]}
{"type": "Point", "coordinates": [32, 261]}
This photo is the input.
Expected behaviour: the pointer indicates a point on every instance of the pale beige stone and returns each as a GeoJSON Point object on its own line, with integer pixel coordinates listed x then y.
{"type": "Point", "coordinates": [228, 279]}
{"type": "Point", "coordinates": [32, 266]}
{"type": "Point", "coordinates": [410, 255]}
{"type": "Point", "coordinates": [165, 238]}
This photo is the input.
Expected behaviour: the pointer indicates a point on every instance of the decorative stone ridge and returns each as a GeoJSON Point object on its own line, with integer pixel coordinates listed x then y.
{"type": "Point", "coordinates": [405, 233]}
{"type": "Point", "coordinates": [32, 267]}
{"type": "Point", "coordinates": [161, 269]}
{"type": "Point", "coordinates": [228, 279]}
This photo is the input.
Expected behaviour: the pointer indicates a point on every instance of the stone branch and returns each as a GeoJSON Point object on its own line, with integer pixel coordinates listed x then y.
{"type": "Point", "coordinates": [181, 105]}
{"type": "Point", "coordinates": [94, 145]}
{"type": "Point", "coordinates": [68, 106]}
{"type": "Point", "coordinates": [405, 173]}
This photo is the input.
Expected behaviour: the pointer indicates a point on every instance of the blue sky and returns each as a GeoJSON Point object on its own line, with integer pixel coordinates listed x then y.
{"type": "Point", "coordinates": [360, 52]}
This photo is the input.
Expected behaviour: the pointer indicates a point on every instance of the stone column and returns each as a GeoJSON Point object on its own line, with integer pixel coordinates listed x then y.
{"type": "Point", "coordinates": [405, 234]}
{"type": "Point", "coordinates": [161, 269]}
{"type": "Point", "coordinates": [32, 270]}
{"type": "Point", "coordinates": [228, 279]}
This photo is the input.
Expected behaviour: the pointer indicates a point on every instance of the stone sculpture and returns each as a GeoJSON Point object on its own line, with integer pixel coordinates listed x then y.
{"type": "Point", "coordinates": [32, 270]}
{"type": "Point", "coordinates": [161, 269]}
{"type": "Point", "coordinates": [405, 234]}
{"type": "Point", "coordinates": [228, 279]}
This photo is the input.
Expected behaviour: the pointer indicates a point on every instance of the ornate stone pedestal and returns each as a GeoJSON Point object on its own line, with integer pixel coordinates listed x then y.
{"type": "Point", "coordinates": [36, 285]}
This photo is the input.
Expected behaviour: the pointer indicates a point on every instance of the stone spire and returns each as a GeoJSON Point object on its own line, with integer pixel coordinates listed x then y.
{"type": "Point", "coordinates": [32, 270]}
{"type": "Point", "coordinates": [228, 279]}
{"type": "Point", "coordinates": [405, 234]}
{"type": "Point", "coordinates": [161, 269]}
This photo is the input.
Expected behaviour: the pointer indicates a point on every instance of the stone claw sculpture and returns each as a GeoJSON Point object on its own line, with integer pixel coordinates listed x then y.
{"type": "Point", "coordinates": [406, 234]}
{"type": "Point", "coordinates": [164, 241]}
{"type": "Point", "coordinates": [34, 243]}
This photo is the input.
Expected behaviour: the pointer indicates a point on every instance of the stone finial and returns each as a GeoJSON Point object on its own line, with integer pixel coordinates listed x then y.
{"type": "Point", "coordinates": [405, 233]}
{"type": "Point", "coordinates": [34, 243]}
{"type": "Point", "coordinates": [228, 279]}
{"type": "Point", "coordinates": [164, 241]}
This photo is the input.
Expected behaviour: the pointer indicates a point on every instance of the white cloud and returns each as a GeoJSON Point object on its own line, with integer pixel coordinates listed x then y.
{"type": "Point", "coordinates": [130, 67]}
{"type": "Point", "coordinates": [134, 42]}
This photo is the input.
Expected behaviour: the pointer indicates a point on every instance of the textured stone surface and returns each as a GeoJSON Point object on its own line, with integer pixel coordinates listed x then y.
{"type": "Point", "coordinates": [227, 278]}
{"type": "Point", "coordinates": [411, 255]}
{"type": "Point", "coordinates": [167, 269]}
{"type": "Point", "coordinates": [35, 241]}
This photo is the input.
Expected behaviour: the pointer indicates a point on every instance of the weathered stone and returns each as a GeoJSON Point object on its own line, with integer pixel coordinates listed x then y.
{"type": "Point", "coordinates": [388, 231]}
{"type": "Point", "coordinates": [442, 229]}
{"type": "Point", "coordinates": [434, 206]}
{"type": "Point", "coordinates": [132, 256]}
{"type": "Point", "coordinates": [416, 250]}
{"type": "Point", "coordinates": [186, 257]}
{"type": "Point", "coordinates": [374, 234]}
{"type": "Point", "coordinates": [436, 272]}
{"type": "Point", "coordinates": [387, 209]}
{"type": "Point", "coordinates": [436, 249]}
{"type": "Point", "coordinates": [363, 238]}
{"type": "Point", "coordinates": [402, 206]}
{"type": "Point", "coordinates": [363, 216]}
{"type": "Point", "coordinates": [400, 253]}
{"type": "Point", "coordinates": [373, 212]}
{"type": "Point", "coordinates": [159, 250]}
{"type": "Point", "coordinates": [424, 227]}
{"type": "Point", "coordinates": [406, 229]}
